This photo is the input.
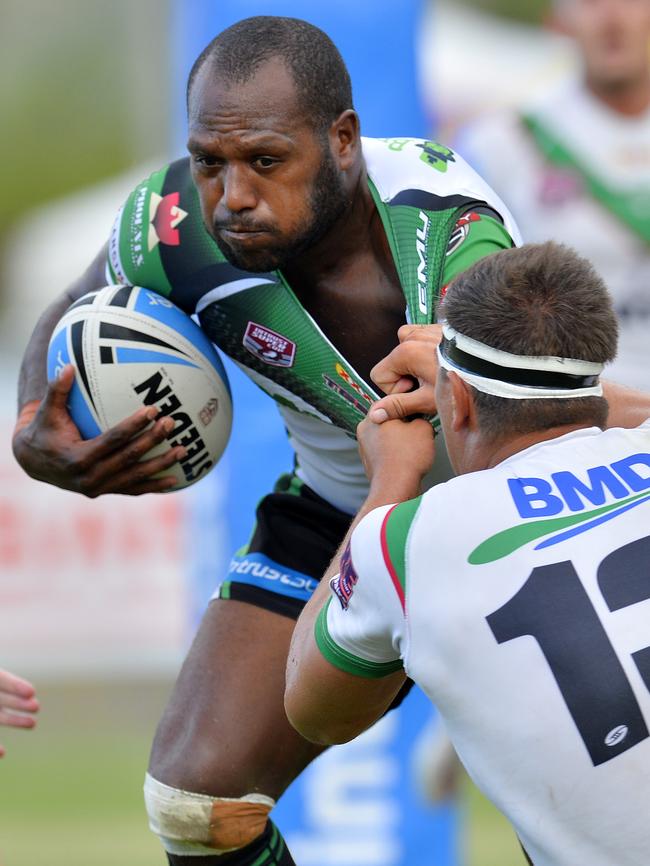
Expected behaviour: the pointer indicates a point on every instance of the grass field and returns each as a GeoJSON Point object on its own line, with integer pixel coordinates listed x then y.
{"type": "Point", "coordinates": [70, 791]}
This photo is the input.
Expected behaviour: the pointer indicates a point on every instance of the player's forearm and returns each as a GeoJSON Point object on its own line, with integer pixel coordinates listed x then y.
{"type": "Point", "coordinates": [312, 713]}
{"type": "Point", "coordinates": [32, 379]}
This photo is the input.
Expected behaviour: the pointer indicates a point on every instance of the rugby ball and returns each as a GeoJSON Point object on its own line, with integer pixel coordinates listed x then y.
{"type": "Point", "coordinates": [131, 347]}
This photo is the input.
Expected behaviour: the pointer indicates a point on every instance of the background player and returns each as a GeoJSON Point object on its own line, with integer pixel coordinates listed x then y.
{"type": "Point", "coordinates": [575, 164]}
{"type": "Point", "coordinates": [543, 535]}
{"type": "Point", "coordinates": [346, 235]}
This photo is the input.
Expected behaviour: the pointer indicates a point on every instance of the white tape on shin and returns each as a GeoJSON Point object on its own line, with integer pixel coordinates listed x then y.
{"type": "Point", "coordinates": [197, 824]}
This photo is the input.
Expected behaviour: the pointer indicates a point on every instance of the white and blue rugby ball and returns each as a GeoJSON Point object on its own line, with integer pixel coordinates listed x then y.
{"type": "Point", "coordinates": [131, 347]}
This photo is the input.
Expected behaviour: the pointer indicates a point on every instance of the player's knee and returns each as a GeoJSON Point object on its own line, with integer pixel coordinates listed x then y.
{"type": "Point", "coordinates": [189, 823]}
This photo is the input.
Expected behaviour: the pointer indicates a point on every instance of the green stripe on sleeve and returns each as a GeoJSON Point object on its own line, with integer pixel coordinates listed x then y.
{"type": "Point", "coordinates": [344, 660]}
{"type": "Point", "coordinates": [398, 526]}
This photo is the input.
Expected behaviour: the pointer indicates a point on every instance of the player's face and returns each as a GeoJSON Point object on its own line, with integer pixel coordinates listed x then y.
{"type": "Point", "coordinates": [613, 38]}
{"type": "Point", "coordinates": [269, 186]}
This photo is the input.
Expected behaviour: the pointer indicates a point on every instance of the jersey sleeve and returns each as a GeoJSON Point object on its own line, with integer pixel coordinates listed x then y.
{"type": "Point", "coordinates": [159, 241]}
{"type": "Point", "coordinates": [362, 628]}
{"type": "Point", "coordinates": [477, 233]}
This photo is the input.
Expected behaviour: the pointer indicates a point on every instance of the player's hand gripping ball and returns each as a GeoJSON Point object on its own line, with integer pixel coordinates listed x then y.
{"type": "Point", "coordinates": [131, 347]}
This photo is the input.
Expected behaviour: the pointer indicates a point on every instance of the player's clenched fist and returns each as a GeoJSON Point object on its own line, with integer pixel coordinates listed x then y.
{"type": "Point", "coordinates": [396, 455]}
{"type": "Point", "coordinates": [413, 361]}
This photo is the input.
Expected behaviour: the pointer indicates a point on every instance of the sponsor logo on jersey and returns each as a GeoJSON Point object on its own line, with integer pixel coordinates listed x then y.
{"type": "Point", "coordinates": [396, 144]}
{"type": "Point", "coordinates": [137, 219]}
{"type": "Point", "coordinates": [461, 231]}
{"type": "Point", "coordinates": [562, 503]}
{"type": "Point", "coordinates": [436, 155]}
{"type": "Point", "coordinates": [616, 735]}
{"type": "Point", "coordinates": [259, 566]}
{"type": "Point", "coordinates": [345, 395]}
{"type": "Point", "coordinates": [347, 378]}
{"type": "Point", "coordinates": [421, 238]}
{"type": "Point", "coordinates": [268, 346]}
{"type": "Point", "coordinates": [342, 585]}
{"type": "Point", "coordinates": [165, 216]}
{"type": "Point", "coordinates": [157, 391]}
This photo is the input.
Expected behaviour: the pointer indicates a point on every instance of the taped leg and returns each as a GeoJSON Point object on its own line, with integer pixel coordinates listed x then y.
{"type": "Point", "coordinates": [217, 830]}
{"type": "Point", "coordinates": [189, 823]}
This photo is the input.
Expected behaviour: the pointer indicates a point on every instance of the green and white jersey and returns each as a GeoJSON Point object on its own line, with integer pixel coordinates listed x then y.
{"type": "Point", "coordinates": [518, 599]}
{"type": "Point", "coordinates": [439, 218]}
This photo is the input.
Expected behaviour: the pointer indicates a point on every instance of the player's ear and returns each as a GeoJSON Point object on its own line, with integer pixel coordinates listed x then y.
{"type": "Point", "coordinates": [344, 135]}
{"type": "Point", "coordinates": [461, 402]}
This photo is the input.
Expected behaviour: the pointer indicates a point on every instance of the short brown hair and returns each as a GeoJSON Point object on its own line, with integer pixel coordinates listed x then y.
{"type": "Point", "coordinates": [538, 299]}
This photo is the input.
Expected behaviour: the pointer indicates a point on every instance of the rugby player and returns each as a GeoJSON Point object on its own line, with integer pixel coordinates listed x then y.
{"type": "Point", "coordinates": [302, 248]}
{"type": "Point", "coordinates": [515, 594]}
{"type": "Point", "coordinates": [574, 163]}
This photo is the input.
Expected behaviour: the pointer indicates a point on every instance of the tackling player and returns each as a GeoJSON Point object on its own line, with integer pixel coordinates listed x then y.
{"type": "Point", "coordinates": [515, 595]}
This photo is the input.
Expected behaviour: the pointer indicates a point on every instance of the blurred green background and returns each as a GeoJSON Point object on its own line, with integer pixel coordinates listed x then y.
{"type": "Point", "coordinates": [83, 90]}
{"type": "Point", "coordinates": [72, 787]}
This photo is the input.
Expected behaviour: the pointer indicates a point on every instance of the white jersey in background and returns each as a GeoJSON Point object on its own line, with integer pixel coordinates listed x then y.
{"type": "Point", "coordinates": [518, 599]}
{"type": "Point", "coordinates": [573, 170]}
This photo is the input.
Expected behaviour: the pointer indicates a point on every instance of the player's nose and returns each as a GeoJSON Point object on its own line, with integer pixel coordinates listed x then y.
{"type": "Point", "coordinates": [238, 190]}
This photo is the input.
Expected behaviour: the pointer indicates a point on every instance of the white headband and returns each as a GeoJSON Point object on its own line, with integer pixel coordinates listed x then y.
{"type": "Point", "coordinates": [561, 378]}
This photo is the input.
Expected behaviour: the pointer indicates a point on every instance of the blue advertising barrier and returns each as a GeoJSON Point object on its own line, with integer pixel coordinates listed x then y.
{"type": "Point", "coordinates": [357, 804]}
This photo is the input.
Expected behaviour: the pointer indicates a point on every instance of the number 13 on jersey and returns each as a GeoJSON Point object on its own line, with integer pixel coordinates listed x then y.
{"type": "Point", "coordinates": [553, 607]}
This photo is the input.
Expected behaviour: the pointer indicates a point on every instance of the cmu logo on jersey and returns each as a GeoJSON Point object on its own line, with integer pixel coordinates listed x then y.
{"type": "Point", "coordinates": [164, 217]}
{"type": "Point", "coordinates": [562, 501]}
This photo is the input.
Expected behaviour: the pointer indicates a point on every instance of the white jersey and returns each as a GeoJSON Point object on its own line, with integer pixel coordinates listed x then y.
{"type": "Point", "coordinates": [551, 200]}
{"type": "Point", "coordinates": [518, 599]}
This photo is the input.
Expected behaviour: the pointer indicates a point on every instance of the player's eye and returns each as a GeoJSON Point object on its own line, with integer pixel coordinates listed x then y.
{"type": "Point", "coordinates": [265, 161]}
{"type": "Point", "coordinates": [205, 160]}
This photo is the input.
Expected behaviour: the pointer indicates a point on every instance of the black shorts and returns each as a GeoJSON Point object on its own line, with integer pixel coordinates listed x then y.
{"type": "Point", "coordinates": [295, 538]}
